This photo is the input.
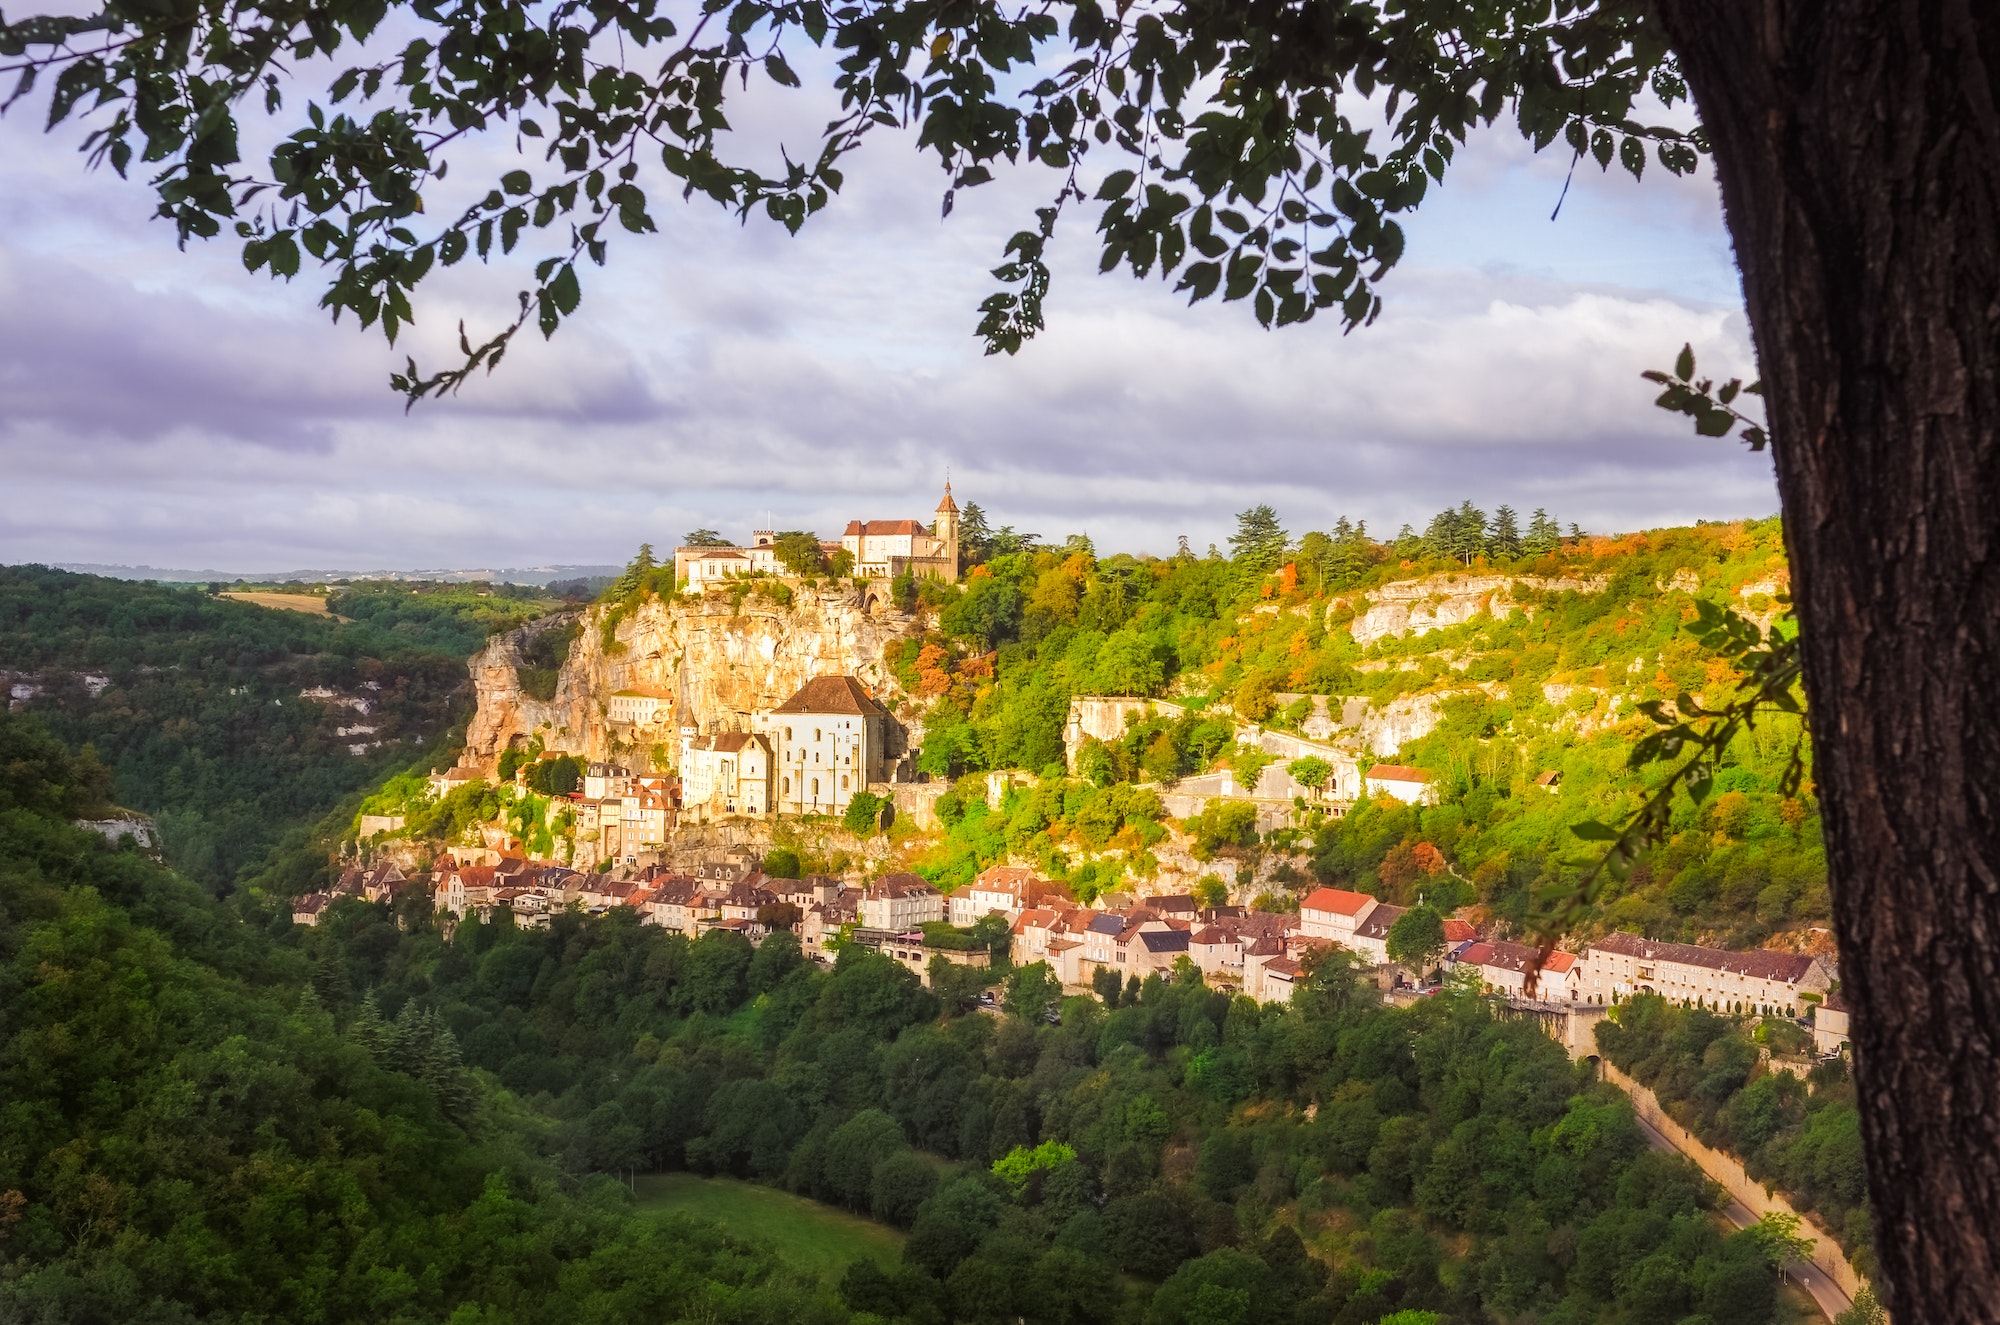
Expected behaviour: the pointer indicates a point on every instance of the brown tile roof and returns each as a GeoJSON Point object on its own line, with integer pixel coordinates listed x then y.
{"type": "Point", "coordinates": [1399, 773]}
{"type": "Point", "coordinates": [1376, 926]}
{"type": "Point", "coordinates": [899, 885]}
{"type": "Point", "coordinates": [1459, 931]}
{"type": "Point", "coordinates": [831, 694]}
{"type": "Point", "coordinates": [889, 527]}
{"type": "Point", "coordinates": [1761, 964]}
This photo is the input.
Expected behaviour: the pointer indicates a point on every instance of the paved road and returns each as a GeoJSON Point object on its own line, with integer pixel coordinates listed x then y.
{"type": "Point", "coordinates": [1832, 1301]}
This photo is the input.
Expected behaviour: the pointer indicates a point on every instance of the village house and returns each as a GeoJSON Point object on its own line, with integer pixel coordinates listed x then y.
{"type": "Point", "coordinates": [637, 708]}
{"type": "Point", "coordinates": [1830, 1025]}
{"type": "Point", "coordinates": [1371, 937]}
{"type": "Point", "coordinates": [899, 903]}
{"type": "Point", "coordinates": [1334, 913]}
{"type": "Point", "coordinates": [602, 780]}
{"type": "Point", "coordinates": [698, 567]}
{"type": "Point", "coordinates": [465, 887]}
{"type": "Point", "coordinates": [1007, 890]}
{"type": "Point", "coordinates": [1504, 968]}
{"type": "Point", "coordinates": [1410, 785]}
{"type": "Point", "coordinates": [306, 910]}
{"type": "Point", "coordinates": [724, 774]}
{"type": "Point", "coordinates": [1761, 981]}
{"type": "Point", "coordinates": [831, 738]}
{"type": "Point", "coordinates": [459, 775]}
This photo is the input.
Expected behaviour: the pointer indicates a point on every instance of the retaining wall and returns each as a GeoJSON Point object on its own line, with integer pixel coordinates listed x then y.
{"type": "Point", "coordinates": [1725, 1170]}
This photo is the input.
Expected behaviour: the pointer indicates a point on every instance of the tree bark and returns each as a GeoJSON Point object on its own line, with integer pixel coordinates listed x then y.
{"type": "Point", "coordinates": [1858, 149]}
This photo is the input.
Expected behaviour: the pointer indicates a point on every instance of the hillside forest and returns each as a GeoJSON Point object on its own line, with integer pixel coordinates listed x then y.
{"type": "Point", "coordinates": [208, 1114]}
{"type": "Point", "coordinates": [194, 701]}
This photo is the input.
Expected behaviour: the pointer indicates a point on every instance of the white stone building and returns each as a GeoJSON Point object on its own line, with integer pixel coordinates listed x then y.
{"type": "Point", "coordinates": [830, 740]}
{"type": "Point", "coordinates": [725, 773]}
{"type": "Point", "coordinates": [1761, 981]}
{"type": "Point", "coordinates": [896, 903]}
{"type": "Point", "coordinates": [884, 549]}
{"type": "Point", "coordinates": [1413, 786]}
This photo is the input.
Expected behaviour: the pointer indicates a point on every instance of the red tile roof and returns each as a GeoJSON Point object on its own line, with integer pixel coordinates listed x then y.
{"type": "Point", "coordinates": [1398, 773]}
{"type": "Point", "coordinates": [864, 528]}
{"type": "Point", "coordinates": [1336, 900]}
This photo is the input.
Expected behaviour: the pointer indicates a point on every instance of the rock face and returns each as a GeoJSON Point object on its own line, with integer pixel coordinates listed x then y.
{"type": "Point", "coordinates": [716, 661]}
{"type": "Point", "coordinates": [1420, 606]}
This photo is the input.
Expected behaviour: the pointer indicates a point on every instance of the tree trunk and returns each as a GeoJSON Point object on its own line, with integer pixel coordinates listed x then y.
{"type": "Point", "coordinates": [1858, 148]}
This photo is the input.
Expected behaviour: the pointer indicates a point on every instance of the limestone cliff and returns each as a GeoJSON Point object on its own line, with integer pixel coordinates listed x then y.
{"type": "Point", "coordinates": [720, 660]}
{"type": "Point", "coordinates": [1423, 605]}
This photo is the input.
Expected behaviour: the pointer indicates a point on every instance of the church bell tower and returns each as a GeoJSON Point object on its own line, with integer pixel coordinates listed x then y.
{"type": "Point", "coordinates": [945, 530]}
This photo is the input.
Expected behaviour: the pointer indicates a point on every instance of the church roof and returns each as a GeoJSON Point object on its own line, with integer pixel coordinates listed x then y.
{"type": "Point", "coordinates": [948, 504]}
{"type": "Point", "coordinates": [831, 694]}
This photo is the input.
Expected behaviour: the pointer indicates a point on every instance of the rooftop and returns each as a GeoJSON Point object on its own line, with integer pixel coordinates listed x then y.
{"type": "Point", "coordinates": [1760, 963]}
{"type": "Point", "coordinates": [832, 694]}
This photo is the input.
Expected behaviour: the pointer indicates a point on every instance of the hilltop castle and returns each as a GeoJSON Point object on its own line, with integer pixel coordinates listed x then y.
{"type": "Point", "coordinates": [881, 549]}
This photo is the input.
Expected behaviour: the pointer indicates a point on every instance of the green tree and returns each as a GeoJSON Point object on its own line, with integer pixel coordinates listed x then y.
{"type": "Point", "coordinates": [799, 552]}
{"type": "Point", "coordinates": [1235, 152]}
{"type": "Point", "coordinates": [1544, 535]}
{"type": "Point", "coordinates": [1310, 771]}
{"type": "Point", "coordinates": [1031, 990]}
{"type": "Point", "coordinates": [975, 536]}
{"type": "Point", "coordinates": [864, 813]}
{"type": "Point", "coordinates": [1259, 541]}
{"type": "Point", "coordinates": [700, 538]}
{"type": "Point", "coordinates": [1416, 939]}
{"type": "Point", "coordinates": [1210, 891]}
{"type": "Point", "coordinates": [1503, 538]}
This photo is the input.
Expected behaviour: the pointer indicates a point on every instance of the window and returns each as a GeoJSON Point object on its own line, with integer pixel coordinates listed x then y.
{"type": "Point", "coordinates": [788, 733]}
{"type": "Point", "coordinates": [788, 786]}
{"type": "Point", "coordinates": [815, 788]}
{"type": "Point", "coordinates": [843, 782]}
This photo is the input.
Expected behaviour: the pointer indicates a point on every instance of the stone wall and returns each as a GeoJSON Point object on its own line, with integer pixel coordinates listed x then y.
{"type": "Point", "coordinates": [1727, 1171]}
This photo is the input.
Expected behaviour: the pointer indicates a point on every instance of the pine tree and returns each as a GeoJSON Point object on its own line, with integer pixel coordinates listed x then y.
{"type": "Point", "coordinates": [1544, 535]}
{"type": "Point", "coordinates": [443, 1070]}
{"type": "Point", "coordinates": [975, 535]}
{"type": "Point", "coordinates": [1259, 541]}
{"type": "Point", "coordinates": [1408, 544]}
{"type": "Point", "coordinates": [369, 1030]}
{"type": "Point", "coordinates": [1503, 537]}
{"type": "Point", "coordinates": [1468, 532]}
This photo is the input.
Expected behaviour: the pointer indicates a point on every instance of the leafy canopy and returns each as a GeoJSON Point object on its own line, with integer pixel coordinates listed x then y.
{"type": "Point", "coordinates": [1261, 152]}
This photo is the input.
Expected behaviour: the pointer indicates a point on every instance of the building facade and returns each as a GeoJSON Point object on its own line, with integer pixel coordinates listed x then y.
{"type": "Point", "coordinates": [724, 774]}
{"type": "Point", "coordinates": [884, 549]}
{"type": "Point", "coordinates": [898, 903]}
{"type": "Point", "coordinates": [1761, 981]}
{"type": "Point", "coordinates": [830, 739]}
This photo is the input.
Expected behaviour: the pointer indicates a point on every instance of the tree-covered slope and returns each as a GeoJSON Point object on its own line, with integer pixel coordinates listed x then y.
{"type": "Point", "coordinates": [195, 702]}
{"type": "Point", "coordinates": [1539, 671]}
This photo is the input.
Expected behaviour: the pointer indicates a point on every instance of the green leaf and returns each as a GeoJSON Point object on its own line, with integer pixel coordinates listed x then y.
{"type": "Point", "coordinates": [1684, 363]}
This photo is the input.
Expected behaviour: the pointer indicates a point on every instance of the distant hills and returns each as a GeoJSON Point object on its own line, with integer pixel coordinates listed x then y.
{"type": "Point", "coordinates": [538, 575]}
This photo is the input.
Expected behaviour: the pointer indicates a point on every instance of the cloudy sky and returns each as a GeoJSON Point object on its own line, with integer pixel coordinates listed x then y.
{"type": "Point", "coordinates": [167, 408]}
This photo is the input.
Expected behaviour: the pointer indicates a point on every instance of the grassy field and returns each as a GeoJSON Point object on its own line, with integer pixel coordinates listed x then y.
{"type": "Point", "coordinates": [288, 602]}
{"type": "Point", "coordinates": [814, 1238]}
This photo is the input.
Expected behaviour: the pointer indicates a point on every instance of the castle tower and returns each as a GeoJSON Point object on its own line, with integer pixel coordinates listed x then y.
{"type": "Point", "coordinates": [945, 530]}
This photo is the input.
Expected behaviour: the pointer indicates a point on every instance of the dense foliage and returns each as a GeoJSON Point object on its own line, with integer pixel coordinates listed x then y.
{"type": "Point", "coordinates": [1547, 686]}
{"type": "Point", "coordinates": [1800, 1131]}
{"type": "Point", "coordinates": [1451, 1162]}
{"type": "Point", "coordinates": [195, 702]}
{"type": "Point", "coordinates": [197, 1124]}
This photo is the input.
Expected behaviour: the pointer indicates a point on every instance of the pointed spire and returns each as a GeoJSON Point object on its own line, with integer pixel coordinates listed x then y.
{"type": "Point", "coordinates": [948, 504]}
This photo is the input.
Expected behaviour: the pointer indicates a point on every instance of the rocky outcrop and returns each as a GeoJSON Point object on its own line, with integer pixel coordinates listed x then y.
{"type": "Point", "coordinates": [717, 660]}
{"type": "Point", "coordinates": [1421, 606]}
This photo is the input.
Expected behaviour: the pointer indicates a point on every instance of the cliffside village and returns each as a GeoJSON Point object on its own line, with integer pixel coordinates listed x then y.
{"type": "Point", "coordinates": [1258, 954]}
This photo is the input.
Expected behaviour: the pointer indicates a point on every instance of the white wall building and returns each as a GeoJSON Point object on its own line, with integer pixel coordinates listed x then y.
{"type": "Point", "coordinates": [1620, 965]}
{"type": "Point", "coordinates": [1410, 785]}
{"type": "Point", "coordinates": [725, 773]}
{"type": "Point", "coordinates": [900, 902]}
{"type": "Point", "coordinates": [830, 739]}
